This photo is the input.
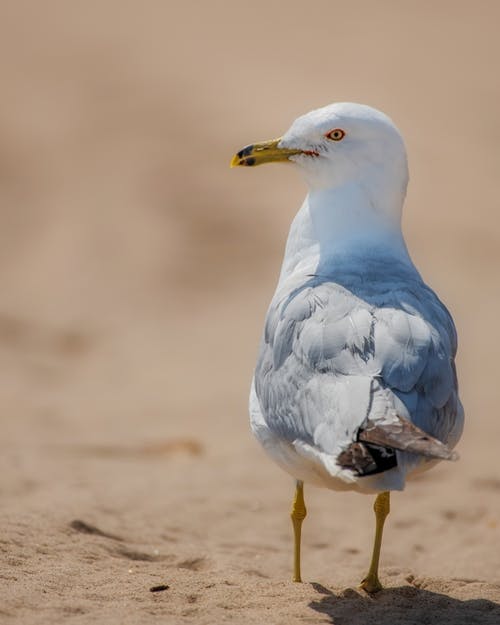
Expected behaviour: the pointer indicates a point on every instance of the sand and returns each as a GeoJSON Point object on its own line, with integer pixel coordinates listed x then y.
{"type": "Point", "coordinates": [135, 271]}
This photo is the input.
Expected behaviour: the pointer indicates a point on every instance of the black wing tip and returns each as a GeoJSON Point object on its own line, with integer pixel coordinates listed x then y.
{"type": "Point", "coordinates": [365, 459]}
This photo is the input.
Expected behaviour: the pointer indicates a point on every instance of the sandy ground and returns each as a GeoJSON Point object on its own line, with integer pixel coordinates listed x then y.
{"type": "Point", "coordinates": [135, 270]}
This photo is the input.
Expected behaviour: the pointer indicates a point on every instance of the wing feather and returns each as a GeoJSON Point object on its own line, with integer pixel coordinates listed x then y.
{"type": "Point", "coordinates": [333, 356]}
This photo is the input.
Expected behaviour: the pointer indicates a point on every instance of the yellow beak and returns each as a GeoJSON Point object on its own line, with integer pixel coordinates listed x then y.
{"type": "Point", "coordinates": [259, 153]}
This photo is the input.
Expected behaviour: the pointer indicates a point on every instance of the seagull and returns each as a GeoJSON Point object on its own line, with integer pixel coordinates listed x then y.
{"type": "Point", "coordinates": [355, 386]}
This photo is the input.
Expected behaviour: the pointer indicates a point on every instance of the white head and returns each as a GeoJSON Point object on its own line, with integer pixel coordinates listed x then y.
{"type": "Point", "coordinates": [343, 146]}
{"type": "Point", "coordinates": [353, 142]}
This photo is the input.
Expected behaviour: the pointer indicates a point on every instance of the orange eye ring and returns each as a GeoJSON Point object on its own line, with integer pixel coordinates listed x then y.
{"type": "Point", "coordinates": [337, 134]}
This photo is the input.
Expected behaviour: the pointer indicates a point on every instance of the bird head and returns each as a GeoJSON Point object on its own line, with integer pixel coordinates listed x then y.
{"type": "Point", "coordinates": [338, 145]}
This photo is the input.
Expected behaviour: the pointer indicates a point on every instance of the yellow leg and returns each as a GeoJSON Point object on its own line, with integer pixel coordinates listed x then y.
{"type": "Point", "coordinates": [382, 507]}
{"type": "Point", "coordinates": [298, 515]}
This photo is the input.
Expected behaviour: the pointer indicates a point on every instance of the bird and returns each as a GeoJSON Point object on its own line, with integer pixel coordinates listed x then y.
{"type": "Point", "coordinates": [355, 385]}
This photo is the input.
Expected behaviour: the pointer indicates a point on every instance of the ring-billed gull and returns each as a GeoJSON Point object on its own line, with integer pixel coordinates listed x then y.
{"type": "Point", "coordinates": [355, 385]}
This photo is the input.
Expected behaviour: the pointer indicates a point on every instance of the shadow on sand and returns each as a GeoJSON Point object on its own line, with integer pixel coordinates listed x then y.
{"type": "Point", "coordinates": [406, 605]}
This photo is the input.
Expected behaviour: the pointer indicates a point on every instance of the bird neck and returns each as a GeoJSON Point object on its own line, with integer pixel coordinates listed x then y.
{"type": "Point", "coordinates": [341, 226]}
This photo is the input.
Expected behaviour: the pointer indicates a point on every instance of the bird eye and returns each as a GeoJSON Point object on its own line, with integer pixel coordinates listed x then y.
{"type": "Point", "coordinates": [335, 135]}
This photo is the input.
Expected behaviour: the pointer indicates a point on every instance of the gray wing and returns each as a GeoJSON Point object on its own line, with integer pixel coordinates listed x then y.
{"type": "Point", "coordinates": [334, 358]}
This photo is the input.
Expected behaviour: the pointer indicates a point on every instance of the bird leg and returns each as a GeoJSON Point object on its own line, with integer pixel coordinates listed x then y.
{"type": "Point", "coordinates": [298, 514]}
{"type": "Point", "coordinates": [371, 582]}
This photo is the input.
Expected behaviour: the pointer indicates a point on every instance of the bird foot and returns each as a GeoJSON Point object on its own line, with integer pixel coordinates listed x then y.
{"type": "Point", "coordinates": [371, 584]}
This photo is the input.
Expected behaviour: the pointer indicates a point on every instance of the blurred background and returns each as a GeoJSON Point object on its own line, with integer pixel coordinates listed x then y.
{"type": "Point", "coordinates": [136, 267]}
